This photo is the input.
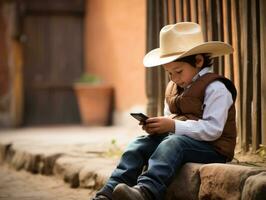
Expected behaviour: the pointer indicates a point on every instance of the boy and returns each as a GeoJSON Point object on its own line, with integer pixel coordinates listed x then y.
{"type": "Point", "coordinates": [198, 125]}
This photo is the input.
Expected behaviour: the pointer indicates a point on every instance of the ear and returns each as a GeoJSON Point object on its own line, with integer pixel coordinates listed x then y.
{"type": "Point", "coordinates": [199, 60]}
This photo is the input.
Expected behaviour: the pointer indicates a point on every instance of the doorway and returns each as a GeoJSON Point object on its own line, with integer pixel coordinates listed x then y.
{"type": "Point", "coordinates": [53, 59]}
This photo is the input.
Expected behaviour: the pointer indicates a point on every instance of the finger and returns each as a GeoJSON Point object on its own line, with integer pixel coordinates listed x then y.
{"type": "Point", "coordinates": [152, 120]}
{"type": "Point", "coordinates": [156, 130]}
{"type": "Point", "coordinates": [152, 125]}
{"type": "Point", "coordinates": [152, 130]}
{"type": "Point", "coordinates": [148, 130]}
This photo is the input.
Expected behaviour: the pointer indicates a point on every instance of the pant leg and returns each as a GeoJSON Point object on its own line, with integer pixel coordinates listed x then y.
{"type": "Point", "coordinates": [170, 155]}
{"type": "Point", "coordinates": [132, 162]}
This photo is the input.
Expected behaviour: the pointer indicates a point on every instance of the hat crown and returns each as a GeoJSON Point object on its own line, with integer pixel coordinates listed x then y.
{"type": "Point", "coordinates": [179, 38]}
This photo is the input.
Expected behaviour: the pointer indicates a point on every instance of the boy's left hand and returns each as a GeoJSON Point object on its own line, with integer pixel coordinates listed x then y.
{"type": "Point", "coordinates": [159, 125]}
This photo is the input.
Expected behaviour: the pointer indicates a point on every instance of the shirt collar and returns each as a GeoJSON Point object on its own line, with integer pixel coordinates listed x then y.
{"type": "Point", "coordinates": [199, 74]}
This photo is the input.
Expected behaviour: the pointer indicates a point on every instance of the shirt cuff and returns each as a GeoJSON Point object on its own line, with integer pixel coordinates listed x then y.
{"type": "Point", "coordinates": [180, 127]}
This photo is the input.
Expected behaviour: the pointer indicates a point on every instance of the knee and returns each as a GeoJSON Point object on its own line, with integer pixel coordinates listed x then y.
{"type": "Point", "coordinates": [176, 141]}
{"type": "Point", "coordinates": [137, 144]}
{"type": "Point", "coordinates": [136, 150]}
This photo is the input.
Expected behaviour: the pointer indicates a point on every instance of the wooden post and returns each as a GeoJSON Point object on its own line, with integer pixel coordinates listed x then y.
{"type": "Point", "coordinates": [193, 11]}
{"type": "Point", "coordinates": [220, 34]}
{"type": "Point", "coordinates": [186, 8]}
{"type": "Point", "coordinates": [160, 71]}
{"type": "Point", "coordinates": [228, 69]}
{"type": "Point", "coordinates": [256, 79]}
{"type": "Point", "coordinates": [210, 20]}
{"type": "Point", "coordinates": [236, 63]}
{"type": "Point", "coordinates": [202, 18]}
{"type": "Point", "coordinates": [151, 75]}
{"type": "Point", "coordinates": [155, 81]}
{"type": "Point", "coordinates": [247, 78]}
{"type": "Point", "coordinates": [166, 15]}
{"type": "Point", "coordinates": [262, 11]}
{"type": "Point", "coordinates": [178, 6]}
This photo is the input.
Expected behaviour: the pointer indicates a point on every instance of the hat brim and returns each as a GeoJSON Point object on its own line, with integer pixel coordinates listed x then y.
{"type": "Point", "coordinates": [214, 48]}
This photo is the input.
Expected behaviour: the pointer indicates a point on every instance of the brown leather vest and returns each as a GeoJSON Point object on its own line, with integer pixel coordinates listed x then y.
{"type": "Point", "coordinates": [189, 105]}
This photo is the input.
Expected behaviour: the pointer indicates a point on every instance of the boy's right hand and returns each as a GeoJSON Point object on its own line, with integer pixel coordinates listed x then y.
{"type": "Point", "coordinates": [158, 125]}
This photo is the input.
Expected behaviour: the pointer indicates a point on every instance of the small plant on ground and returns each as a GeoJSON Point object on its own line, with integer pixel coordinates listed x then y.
{"type": "Point", "coordinates": [262, 152]}
{"type": "Point", "coordinates": [114, 150]}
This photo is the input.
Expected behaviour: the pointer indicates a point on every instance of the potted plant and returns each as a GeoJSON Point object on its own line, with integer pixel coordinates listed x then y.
{"type": "Point", "coordinates": [94, 99]}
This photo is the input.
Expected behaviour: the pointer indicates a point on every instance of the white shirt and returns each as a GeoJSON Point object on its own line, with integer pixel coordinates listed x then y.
{"type": "Point", "coordinates": [217, 101]}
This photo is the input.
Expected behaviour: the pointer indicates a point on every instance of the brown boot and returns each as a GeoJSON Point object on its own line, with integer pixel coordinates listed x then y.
{"type": "Point", "coordinates": [124, 192]}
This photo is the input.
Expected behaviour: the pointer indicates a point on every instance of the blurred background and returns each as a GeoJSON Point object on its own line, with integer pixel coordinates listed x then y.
{"type": "Point", "coordinates": [46, 46]}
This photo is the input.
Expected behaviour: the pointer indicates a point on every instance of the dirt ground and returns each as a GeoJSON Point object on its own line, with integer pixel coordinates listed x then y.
{"type": "Point", "coordinates": [22, 185]}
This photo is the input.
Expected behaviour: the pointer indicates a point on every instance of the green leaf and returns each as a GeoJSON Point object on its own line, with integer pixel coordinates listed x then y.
{"type": "Point", "coordinates": [90, 79]}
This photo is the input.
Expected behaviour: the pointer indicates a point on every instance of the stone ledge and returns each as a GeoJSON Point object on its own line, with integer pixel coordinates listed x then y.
{"type": "Point", "coordinates": [218, 181]}
{"type": "Point", "coordinates": [193, 181]}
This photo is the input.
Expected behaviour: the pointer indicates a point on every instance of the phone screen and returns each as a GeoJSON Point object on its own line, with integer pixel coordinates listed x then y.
{"type": "Point", "coordinates": [139, 116]}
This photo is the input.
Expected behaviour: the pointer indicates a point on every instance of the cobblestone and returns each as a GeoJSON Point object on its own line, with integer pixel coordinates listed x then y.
{"type": "Point", "coordinates": [22, 185]}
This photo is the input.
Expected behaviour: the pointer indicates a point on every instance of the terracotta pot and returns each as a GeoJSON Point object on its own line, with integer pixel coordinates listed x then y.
{"type": "Point", "coordinates": [95, 103]}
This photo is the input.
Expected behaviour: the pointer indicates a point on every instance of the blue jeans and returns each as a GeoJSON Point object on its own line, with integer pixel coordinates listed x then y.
{"type": "Point", "coordinates": [164, 155]}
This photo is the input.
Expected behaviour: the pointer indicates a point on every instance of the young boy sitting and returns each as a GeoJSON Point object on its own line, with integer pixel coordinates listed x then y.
{"type": "Point", "coordinates": [198, 123]}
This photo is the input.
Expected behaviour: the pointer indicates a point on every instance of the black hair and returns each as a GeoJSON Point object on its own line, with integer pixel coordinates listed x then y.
{"type": "Point", "coordinates": [208, 61]}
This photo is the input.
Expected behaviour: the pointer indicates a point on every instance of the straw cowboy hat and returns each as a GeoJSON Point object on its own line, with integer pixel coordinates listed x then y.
{"type": "Point", "coordinates": [181, 40]}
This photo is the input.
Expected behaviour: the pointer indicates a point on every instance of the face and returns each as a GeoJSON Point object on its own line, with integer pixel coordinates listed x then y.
{"type": "Point", "coordinates": [182, 73]}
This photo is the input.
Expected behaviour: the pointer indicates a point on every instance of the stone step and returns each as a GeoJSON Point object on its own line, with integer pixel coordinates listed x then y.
{"type": "Point", "coordinates": [193, 181]}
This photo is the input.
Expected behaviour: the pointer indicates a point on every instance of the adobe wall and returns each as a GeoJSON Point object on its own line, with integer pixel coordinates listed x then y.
{"type": "Point", "coordinates": [115, 46]}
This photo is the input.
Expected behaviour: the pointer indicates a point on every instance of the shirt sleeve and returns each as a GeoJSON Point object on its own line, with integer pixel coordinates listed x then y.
{"type": "Point", "coordinates": [217, 102]}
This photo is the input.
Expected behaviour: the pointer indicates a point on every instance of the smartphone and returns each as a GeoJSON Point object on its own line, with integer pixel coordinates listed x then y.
{"type": "Point", "coordinates": [139, 116]}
